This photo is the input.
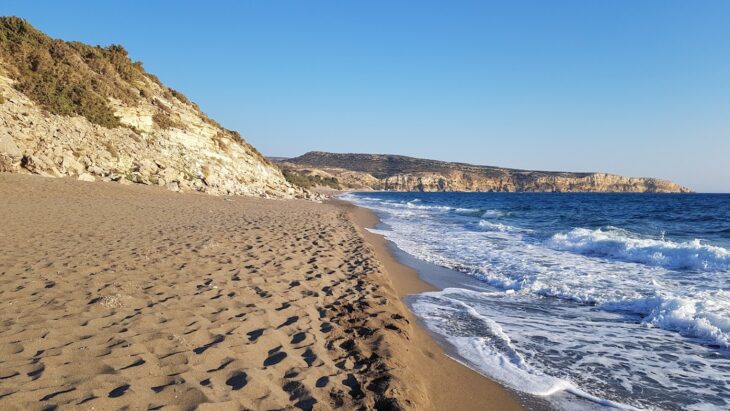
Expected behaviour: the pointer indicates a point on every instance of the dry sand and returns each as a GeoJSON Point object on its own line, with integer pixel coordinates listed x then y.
{"type": "Point", "coordinates": [129, 296]}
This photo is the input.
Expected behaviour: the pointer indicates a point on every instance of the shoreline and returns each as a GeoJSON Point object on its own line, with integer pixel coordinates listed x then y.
{"type": "Point", "coordinates": [454, 382]}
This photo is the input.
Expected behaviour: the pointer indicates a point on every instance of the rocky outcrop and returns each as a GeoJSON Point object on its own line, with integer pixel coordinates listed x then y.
{"type": "Point", "coordinates": [400, 173]}
{"type": "Point", "coordinates": [117, 123]}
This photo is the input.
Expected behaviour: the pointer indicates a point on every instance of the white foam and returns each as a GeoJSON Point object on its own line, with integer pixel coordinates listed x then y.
{"type": "Point", "coordinates": [704, 317]}
{"type": "Point", "coordinates": [467, 211]}
{"type": "Point", "coordinates": [493, 214]}
{"type": "Point", "coordinates": [499, 256]}
{"type": "Point", "coordinates": [486, 348]}
{"type": "Point", "coordinates": [623, 245]}
{"type": "Point", "coordinates": [490, 226]}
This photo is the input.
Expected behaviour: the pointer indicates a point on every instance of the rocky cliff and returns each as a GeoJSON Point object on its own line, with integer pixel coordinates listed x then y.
{"type": "Point", "coordinates": [89, 112]}
{"type": "Point", "coordinates": [400, 173]}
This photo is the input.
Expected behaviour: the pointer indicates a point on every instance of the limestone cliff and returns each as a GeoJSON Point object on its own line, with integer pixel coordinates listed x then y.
{"type": "Point", "coordinates": [400, 173]}
{"type": "Point", "coordinates": [69, 109]}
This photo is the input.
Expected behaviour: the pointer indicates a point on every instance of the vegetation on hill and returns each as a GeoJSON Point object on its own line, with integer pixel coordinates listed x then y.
{"type": "Point", "coordinates": [385, 165]}
{"type": "Point", "coordinates": [304, 180]}
{"type": "Point", "coordinates": [68, 78]}
{"type": "Point", "coordinates": [72, 78]}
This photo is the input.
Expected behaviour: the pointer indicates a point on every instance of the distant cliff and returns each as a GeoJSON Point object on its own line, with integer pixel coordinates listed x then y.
{"type": "Point", "coordinates": [400, 173]}
{"type": "Point", "coordinates": [68, 109]}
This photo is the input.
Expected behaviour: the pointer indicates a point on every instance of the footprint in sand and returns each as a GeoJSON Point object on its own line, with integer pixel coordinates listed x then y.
{"type": "Point", "coordinates": [309, 357]}
{"type": "Point", "coordinates": [298, 337]}
{"type": "Point", "coordinates": [298, 392]}
{"type": "Point", "coordinates": [223, 365]}
{"type": "Point", "coordinates": [217, 339]}
{"type": "Point", "coordinates": [379, 385]}
{"type": "Point", "coordinates": [292, 373]}
{"type": "Point", "coordinates": [275, 356]}
{"type": "Point", "coordinates": [158, 389]}
{"type": "Point", "coordinates": [355, 387]}
{"type": "Point", "coordinates": [289, 321]}
{"type": "Point", "coordinates": [51, 395]}
{"type": "Point", "coordinates": [322, 382]}
{"type": "Point", "coordinates": [119, 391]}
{"type": "Point", "coordinates": [35, 374]}
{"type": "Point", "coordinates": [237, 380]}
{"type": "Point", "coordinates": [134, 364]}
{"type": "Point", "coordinates": [255, 334]}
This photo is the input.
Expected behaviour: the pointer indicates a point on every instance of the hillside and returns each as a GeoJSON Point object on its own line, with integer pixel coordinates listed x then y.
{"type": "Point", "coordinates": [401, 173]}
{"type": "Point", "coordinates": [68, 109]}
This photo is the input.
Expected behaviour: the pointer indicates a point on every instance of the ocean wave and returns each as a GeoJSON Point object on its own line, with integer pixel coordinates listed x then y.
{"type": "Point", "coordinates": [625, 246]}
{"type": "Point", "coordinates": [468, 211]}
{"type": "Point", "coordinates": [493, 214]}
{"type": "Point", "coordinates": [483, 346]}
{"type": "Point", "coordinates": [704, 317]}
{"type": "Point", "coordinates": [419, 205]}
{"type": "Point", "coordinates": [415, 205]}
{"type": "Point", "coordinates": [489, 226]}
{"type": "Point", "coordinates": [652, 288]}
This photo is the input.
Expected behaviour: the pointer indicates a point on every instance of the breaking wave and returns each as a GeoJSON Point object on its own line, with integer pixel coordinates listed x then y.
{"type": "Point", "coordinates": [623, 245]}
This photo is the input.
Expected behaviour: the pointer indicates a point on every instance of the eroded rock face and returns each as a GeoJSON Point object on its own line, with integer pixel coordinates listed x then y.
{"type": "Point", "coordinates": [597, 182]}
{"type": "Point", "coordinates": [195, 154]}
{"type": "Point", "coordinates": [399, 173]}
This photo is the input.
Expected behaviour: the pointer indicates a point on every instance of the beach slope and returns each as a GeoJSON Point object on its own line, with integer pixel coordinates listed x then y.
{"type": "Point", "coordinates": [136, 296]}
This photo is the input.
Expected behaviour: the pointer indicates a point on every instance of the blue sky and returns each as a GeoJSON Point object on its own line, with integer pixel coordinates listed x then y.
{"type": "Point", "coordinates": [639, 88]}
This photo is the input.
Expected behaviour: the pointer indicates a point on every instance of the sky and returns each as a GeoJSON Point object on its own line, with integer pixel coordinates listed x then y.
{"type": "Point", "coordinates": [639, 88]}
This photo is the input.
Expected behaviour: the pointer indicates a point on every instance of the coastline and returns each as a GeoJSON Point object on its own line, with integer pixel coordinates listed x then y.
{"type": "Point", "coordinates": [454, 382]}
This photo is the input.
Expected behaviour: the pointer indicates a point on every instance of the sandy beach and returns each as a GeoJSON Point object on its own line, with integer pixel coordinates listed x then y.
{"type": "Point", "coordinates": [132, 296]}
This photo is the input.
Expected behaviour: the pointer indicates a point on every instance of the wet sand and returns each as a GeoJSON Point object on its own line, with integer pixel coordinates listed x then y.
{"type": "Point", "coordinates": [131, 296]}
{"type": "Point", "coordinates": [454, 385]}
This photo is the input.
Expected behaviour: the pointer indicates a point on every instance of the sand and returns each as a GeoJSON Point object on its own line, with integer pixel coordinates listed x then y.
{"type": "Point", "coordinates": [118, 296]}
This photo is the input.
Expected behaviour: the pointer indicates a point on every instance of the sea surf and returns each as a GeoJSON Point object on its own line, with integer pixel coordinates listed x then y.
{"type": "Point", "coordinates": [588, 300]}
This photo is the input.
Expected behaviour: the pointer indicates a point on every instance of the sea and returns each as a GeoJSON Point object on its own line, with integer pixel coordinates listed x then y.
{"type": "Point", "coordinates": [582, 300]}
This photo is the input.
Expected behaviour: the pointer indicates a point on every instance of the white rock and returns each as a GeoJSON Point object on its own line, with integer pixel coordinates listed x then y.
{"type": "Point", "coordinates": [172, 157]}
{"type": "Point", "coordinates": [71, 165]}
{"type": "Point", "coordinates": [8, 146]}
{"type": "Point", "coordinates": [86, 177]}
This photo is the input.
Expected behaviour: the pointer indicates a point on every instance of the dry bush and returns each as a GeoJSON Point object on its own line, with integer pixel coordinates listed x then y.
{"type": "Point", "coordinates": [164, 121]}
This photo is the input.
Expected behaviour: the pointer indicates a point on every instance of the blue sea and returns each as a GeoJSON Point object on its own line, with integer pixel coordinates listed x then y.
{"type": "Point", "coordinates": [585, 300]}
